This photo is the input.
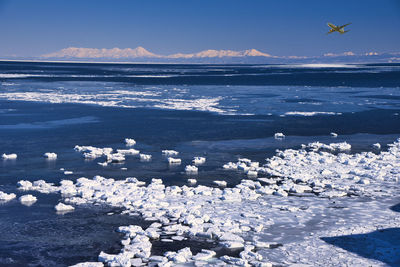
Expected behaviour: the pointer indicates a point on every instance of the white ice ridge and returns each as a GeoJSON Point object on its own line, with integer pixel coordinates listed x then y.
{"type": "Point", "coordinates": [9, 156]}
{"type": "Point", "coordinates": [120, 98]}
{"type": "Point", "coordinates": [50, 155]}
{"type": "Point", "coordinates": [201, 104]}
{"type": "Point", "coordinates": [310, 113]}
{"type": "Point", "coordinates": [6, 197]}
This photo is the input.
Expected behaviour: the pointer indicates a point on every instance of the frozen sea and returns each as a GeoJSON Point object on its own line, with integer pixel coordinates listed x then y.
{"type": "Point", "coordinates": [220, 112]}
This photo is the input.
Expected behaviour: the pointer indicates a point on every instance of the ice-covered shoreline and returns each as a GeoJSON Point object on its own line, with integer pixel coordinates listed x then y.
{"type": "Point", "coordinates": [241, 217]}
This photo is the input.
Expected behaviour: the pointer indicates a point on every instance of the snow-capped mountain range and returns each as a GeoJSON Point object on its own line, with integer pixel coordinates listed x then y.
{"type": "Point", "coordinates": [140, 52]}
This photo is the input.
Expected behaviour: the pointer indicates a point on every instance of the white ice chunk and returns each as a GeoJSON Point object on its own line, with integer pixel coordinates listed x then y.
{"type": "Point", "coordinates": [116, 157]}
{"type": "Point", "coordinates": [315, 146]}
{"type": "Point", "coordinates": [279, 136]}
{"type": "Point", "coordinates": [24, 185]}
{"type": "Point", "coordinates": [6, 197]}
{"type": "Point", "coordinates": [115, 260]}
{"type": "Point", "coordinates": [27, 199]}
{"type": "Point", "coordinates": [9, 156]}
{"type": "Point", "coordinates": [199, 160]}
{"type": "Point", "coordinates": [192, 181]}
{"type": "Point", "coordinates": [181, 256]}
{"type": "Point", "coordinates": [170, 152]}
{"type": "Point", "coordinates": [174, 161]}
{"type": "Point", "coordinates": [220, 183]}
{"type": "Point", "coordinates": [191, 169]}
{"type": "Point", "coordinates": [91, 152]}
{"type": "Point", "coordinates": [340, 146]}
{"type": "Point", "coordinates": [50, 155]}
{"type": "Point", "coordinates": [130, 141]}
{"type": "Point", "coordinates": [376, 146]}
{"type": "Point", "coordinates": [145, 157]}
{"type": "Point", "coordinates": [63, 207]}
{"type": "Point", "coordinates": [252, 173]}
{"type": "Point", "coordinates": [249, 255]}
{"type": "Point", "coordinates": [230, 166]}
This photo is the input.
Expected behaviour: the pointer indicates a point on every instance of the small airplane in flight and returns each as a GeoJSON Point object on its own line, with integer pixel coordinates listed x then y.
{"type": "Point", "coordinates": [339, 29]}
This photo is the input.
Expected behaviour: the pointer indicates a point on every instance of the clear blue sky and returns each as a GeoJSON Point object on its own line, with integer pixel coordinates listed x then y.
{"type": "Point", "coordinates": [278, 27]}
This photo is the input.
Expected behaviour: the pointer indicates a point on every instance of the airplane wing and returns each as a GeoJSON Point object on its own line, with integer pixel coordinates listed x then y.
{"type": "Point", "coordinates": [329, 32]}
{"type": "Point", "coordinates": [344, 25]}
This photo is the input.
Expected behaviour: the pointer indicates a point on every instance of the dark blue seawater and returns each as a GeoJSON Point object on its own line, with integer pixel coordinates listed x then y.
{"type": "Point", "coordinates": [221, 112]}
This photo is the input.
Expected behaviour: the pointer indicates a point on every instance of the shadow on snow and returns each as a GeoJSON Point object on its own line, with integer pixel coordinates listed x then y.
{"type": "Point", "coordinates": [382, 245]}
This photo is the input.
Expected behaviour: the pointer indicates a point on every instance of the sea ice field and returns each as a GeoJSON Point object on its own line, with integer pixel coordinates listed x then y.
{"type": "Point", "coordinates": [199, 165]}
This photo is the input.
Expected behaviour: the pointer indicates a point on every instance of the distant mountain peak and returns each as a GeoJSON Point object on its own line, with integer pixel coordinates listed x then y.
{"type": "Point", "coordinates": [255, 53]}
{"type": "Point", "coordinates": [116, 53]}
{"type": "Point", "coordinates": [212, 53]}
